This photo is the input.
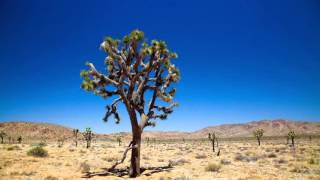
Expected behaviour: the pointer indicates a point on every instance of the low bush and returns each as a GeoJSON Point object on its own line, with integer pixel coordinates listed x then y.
{"type": "Point", "coordinates": [213, 167]}
{"type": "Point", "coordinates": [37, 151]}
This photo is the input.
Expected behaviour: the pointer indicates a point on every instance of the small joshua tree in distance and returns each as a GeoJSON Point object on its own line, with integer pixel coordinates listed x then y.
{"type": "Point", "coordinates": [119, 140]}
{"type": "Point", "coordinates": [19, 139]}
{"type": "Point", "coordinates": [2, 135]}
{"type": "Point", "coordinates": [88, 135]}
{"type": "Point", "coordinates": [75, 136]}
{"type": "Point", "coordinates": [212, 139]}
{"type": "Point", "coordinates": [61, 141]}
{"type": "Point", "coordinates": [291, 135]}
{"type": "Point", "coordinates": [135, 68]}
{"type": "Point", "coordinates": [258, 134]}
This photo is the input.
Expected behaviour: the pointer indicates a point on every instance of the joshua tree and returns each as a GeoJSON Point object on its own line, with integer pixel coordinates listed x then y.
{"type": "Point", "coordinates": [119, 140]}
{"type": "Point", "coordinates": [258, 134]}
{"type": "Point", "coordinates": [2, 135]}
{"type": "Point", "coordinates": [291, 135]}
{"type": "Point", "coordinates": [10, 139]}
{"type": "Point", "coordinates": [212, 138]}
{"type": "Point", "coordinates": [61, 141]}
{"type": "Point", "coordinates": [147, 139]}
{"type": "Point", "coordinates": [134, 69]}
{"type": "Point", "coordinates": [19, 139]}
{"type": "Point", "coordinates": [75, 135]}
{"type": "Point", "coordinates": [88, 135]}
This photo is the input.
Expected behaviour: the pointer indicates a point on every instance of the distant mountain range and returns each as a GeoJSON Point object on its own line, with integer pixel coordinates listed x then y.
{"type": "Point", "coordinates": [279, 127]}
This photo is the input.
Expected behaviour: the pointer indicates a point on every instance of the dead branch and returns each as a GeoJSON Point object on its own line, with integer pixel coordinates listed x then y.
{"type": "Point", "coordinates": [123, 156]}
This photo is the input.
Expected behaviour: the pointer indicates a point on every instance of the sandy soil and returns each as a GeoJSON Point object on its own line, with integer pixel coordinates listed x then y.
{"type": "Point", "coordinates": [237, 160]}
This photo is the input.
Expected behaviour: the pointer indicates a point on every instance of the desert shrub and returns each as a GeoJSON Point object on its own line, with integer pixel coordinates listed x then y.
{"type": "Point", "coordinates": [51, 178]}
{"type": "Point", "coordinates": [240, 157]}
{"type": "Point", "coordinates": [37, 151]}
{"type": "Point", "coordinates": [84, 167]}
{"type": "Point", "coordinates": [272, 155]}
{"type": "Point", "coordinates": [11, 148]}
{"type": "Point", "coordinates": [312, 161]}
{"type": "Point", "coordinates": [177, 162]}
{"type": "Point", "coordinates": [23, 173]}
{"type": "Point", "coordinates": [213, 167]}
{"type": "Point", "coordinates": [299, 168]}
{"type": "Point", "coordinates": [181, 178]}
{"type": "Point", "coordinates": [145, 158]}
{"type": "Point", "coordinates": [281, 161]}
{"type": "Point", "coordinates": [225, 161]}
{"type": "Point", "coordinates": [42, 144]}
{"type": "Point", "coordinates": [200, 156]}
{"type": "Point", "coordinates": [111, 159]}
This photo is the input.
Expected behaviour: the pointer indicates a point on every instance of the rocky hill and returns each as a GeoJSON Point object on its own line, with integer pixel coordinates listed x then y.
{"type": "Point", "coordinates": [35, 130]}
{"type": "Point", "coordinates": [277, 127]}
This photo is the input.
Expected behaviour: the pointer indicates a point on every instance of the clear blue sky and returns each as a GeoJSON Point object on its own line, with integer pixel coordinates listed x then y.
{"type": "Point", "coordinates": [240, 60]}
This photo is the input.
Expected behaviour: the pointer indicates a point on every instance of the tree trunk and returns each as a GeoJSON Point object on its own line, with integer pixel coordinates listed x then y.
{"type": "Point", "coordinates": [88, 144]}
{"type": "Point", "coordinates": [212, 142]}
{"type": "Point", "coordinates": [259, 141]}
{"type": "Point", "coordinates": [135, 154]}
{"type": "Point", "coordinates": [292, 141]}
{"type": "Point", "coordinates": [1, 140]}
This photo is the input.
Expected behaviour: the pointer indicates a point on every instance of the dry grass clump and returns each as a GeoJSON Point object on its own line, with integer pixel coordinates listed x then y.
{"type": "Point", "coordinates": [240, 157]}
{"type": "Point", "coordinates": [213, 167]}
{"type": "Point", "coordinates": [299, 168]}
{"type": "Point", "coordinates": [37, 151]}
{"type": "Point", "coordinates": [178, 162]}
{"type": "Point", "coordinates": [200, 156]}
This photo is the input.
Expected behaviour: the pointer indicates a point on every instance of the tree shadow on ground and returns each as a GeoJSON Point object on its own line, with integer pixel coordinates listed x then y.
{"type": "Point", "coordinates": [125, 171]}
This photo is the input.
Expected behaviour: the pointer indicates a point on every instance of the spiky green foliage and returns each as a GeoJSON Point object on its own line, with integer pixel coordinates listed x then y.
{"type": "Point", "coordinates": [75, 136]}
{"type": "Point", "coordinates": [88, 135]}
{"type": "Point", "coordinates": [212, 138]}
{"type": "Point", "coordinates": [134, 67]}
{"type": "Point", "coordinates": [2, 136]}
{"type": "Point", "coordinates": [258, 134]}
{"type": "Point", "coordinates": [291, 135]}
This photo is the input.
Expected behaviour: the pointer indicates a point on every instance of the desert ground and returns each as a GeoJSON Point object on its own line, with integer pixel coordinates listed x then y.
{"type": "Point", "coordinates": [188, 160]}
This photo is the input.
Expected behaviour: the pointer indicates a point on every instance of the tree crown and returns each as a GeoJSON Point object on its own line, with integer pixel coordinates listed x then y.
{"type": "Point", "coordinates": [134, 67]}
{"type": "Point", "coordinates": [258, 133]}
